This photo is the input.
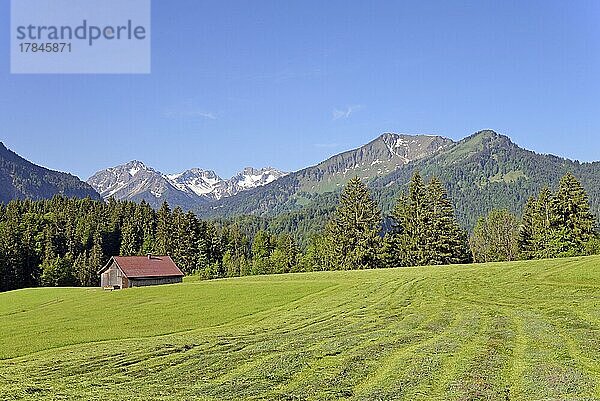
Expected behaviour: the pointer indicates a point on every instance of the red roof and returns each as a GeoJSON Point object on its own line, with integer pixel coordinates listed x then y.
{"type": "Point", "coordinates": [142, 266]}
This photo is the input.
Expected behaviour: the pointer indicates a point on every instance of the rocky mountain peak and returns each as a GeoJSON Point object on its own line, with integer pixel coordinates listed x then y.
{"type": "Point", "coordinates": [195, 173]}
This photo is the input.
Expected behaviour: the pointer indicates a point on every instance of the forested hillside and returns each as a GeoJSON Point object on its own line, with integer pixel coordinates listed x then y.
{"type": "Point", "coordinates": [422, 212]}
{"type": "Point", "coordinates": [20, 179]}
{"type": "Point", "coordinates": [64, 242]}
{"type": "Point", "coordinates": [482, 172]}
{"type": "Point", "coordinates": [487, 171]}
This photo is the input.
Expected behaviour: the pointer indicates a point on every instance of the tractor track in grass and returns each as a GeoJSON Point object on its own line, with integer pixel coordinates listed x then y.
{"type": "Point", "coordinates": [255, 317]}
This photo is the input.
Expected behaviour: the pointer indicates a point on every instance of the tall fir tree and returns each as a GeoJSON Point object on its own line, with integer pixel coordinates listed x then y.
{"type": "Point", "coordinates": [412, 221]}
{"type": "Point", "coordinates": [425, 229]}
{"type": "Point", "coordinates": [536, 229]}
{"type": "Point", "coordinates": [185, 248]}
{"type": "Point", "coordinates": [147, 216]}
{"type": "Point", "coordinates": [352, 233]}
{"type": "Point", "coordinates": [573, 224]}
{"type": "Point", "coordinates": [445, 240]}
{"type": "Point", "coordinates": [558, 225]}
{"type": "Point", "coordinates": [131, 237]}
{"type": "Point", "coordinates": [31, 247]}
{"type": "Point", "coordinates": [262, 248]}
{"type": "Point", "coordinates": [95, 262]}
{"type": "Point", "coordinates": [234, 254]}
{"type": "Point", "coordinates": [284, 257]}
{"type": "Point", "coordinates": [164, 230]}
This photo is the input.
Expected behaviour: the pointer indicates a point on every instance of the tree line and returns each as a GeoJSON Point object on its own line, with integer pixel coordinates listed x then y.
{"type": "Point", "coordinates": [424, 229]}
{"type": "Point", "coordinates": [554, 224]}
{"type": "Point", "coordinates": [65, 241]}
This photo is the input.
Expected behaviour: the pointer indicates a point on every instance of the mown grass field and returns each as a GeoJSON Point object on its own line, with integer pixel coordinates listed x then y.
{"type": "Point", "coordinates": [516, 331]}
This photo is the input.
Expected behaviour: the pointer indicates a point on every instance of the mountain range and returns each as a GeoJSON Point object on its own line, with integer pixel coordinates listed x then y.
{"type": "Point", "coordinates": [202, 190]}
{"type": "Point", "coordinates": [380, 157]}
{"type": "Point", "coordinates": [483, 171]}
{"type": "Point", "coordinates": [136, 181]}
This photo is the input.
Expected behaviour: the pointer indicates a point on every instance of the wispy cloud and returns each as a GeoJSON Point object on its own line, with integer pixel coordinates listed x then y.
{"type": "Point", "coordinates": [338, 114]}
{"type": "Point", "coordinates": [189, 109]}
{"type": "Point", "coordinates": [192, 114]}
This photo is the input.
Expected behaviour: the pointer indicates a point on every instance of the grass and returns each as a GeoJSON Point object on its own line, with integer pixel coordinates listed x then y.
{"type": "Point", "coordinates": [510, 177]}
{"type": "Point", "coordinates": [512, 331]}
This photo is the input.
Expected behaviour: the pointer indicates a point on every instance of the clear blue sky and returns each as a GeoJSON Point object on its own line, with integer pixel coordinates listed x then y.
{"type": "Point", "coordinates": [288, 83]}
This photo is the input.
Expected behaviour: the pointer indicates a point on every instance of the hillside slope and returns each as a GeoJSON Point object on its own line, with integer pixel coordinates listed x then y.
{"type": "Point", "coordinates": [518, 331]}
{"type": "Point", "coordinates": [487, 170]}
{"type": "Point", "coordinates": [481, 172]}
{"type": "Point", "coordinates": [21, 179]}
{"type": "Point", "coordinates": [379, 157]}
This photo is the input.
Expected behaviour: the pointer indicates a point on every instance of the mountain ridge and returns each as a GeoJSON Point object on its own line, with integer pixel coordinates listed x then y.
{"type": "Point", "coordinates": [136, 181]}
{"type": "Point", "coordinates": [482, 171]}
{"type": "Point", "coordinates": [22, 179]}
{"type": "Point", "coordinates": [382, 155]}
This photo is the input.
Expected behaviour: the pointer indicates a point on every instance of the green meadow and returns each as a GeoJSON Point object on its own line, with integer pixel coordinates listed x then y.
{"type": "Point", "coordinates": [503, 331]}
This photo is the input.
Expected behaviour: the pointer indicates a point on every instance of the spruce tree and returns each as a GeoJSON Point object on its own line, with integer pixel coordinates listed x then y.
{"type": "Point", "coordinates": [96, 261]}
{"type": "Point", "coordinates": [425, 230]}
{"type": "Point", "coordinates": [557, 225]}
{"type": "Point", "coordinates": [543, 223]}
{"type": "Point", "coordinates": [146, 217]}
{"type": "Point", "coordinates": [164, 230]}
{"type": "Point", "coordinates": [394, 249]}
{"type": "Point", "coordinates": [263, 245]}
{"type": "Point", "coordinates": [229, 253]}
{"type": "Point", "coordinates": [10, 243]}
{"type": "Point", "coordinates": [527, 229]}
{"type": "Point", "coordinates": [573, 224]}
{"type": "Point", "coordinates": [536, 229]}
{"type": "Point", "coordinates": [445, 240]}
{"type": "Point", "coordinates": [314, 257]}
{"type": "Point", "coordinates": [31, 245]}
{"type": "Point", "coordinates": [352, 233]}
{"type": "Point", "coordinates": [58, 272]}
{"type": "Point", "coordinates": [284, 258]}
{"type": "Point", "coordinates": [81, 268]}
{"type": "Point", "coordinates": [131, 237]}
{"type": "Point", "coordinates": [413, 218]}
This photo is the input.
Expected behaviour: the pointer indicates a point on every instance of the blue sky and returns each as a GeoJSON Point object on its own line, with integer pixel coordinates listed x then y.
{"type": "Point", "coordinates": [289, 83]}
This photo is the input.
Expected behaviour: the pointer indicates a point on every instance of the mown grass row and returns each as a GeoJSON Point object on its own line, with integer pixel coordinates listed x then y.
{"type": "Point", "coordinates": [517, 331]}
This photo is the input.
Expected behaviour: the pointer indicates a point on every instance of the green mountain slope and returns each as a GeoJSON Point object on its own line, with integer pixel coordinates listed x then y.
{"type": "Point", "coordinates": [483, 171]}
{"type": "Point", "coordinates": [517, 331]}
{"type": "Point", "coordinates": [379, 157]}
{"type": "Point", "coordinates": [21, 179]}
{"type": "Point", "coordinates": [486, 171]}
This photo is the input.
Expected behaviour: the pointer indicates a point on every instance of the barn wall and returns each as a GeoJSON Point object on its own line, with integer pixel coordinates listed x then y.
{"type": "Point", "coordinates": [112, 277]}
{"type": "Point", "coordinates": [141, 282]}
{"type": "Point", "coordinates": [104, 279]}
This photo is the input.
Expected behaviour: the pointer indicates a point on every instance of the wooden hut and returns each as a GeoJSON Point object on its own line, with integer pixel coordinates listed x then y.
{"type": "Point", "coordinates": [137, 271]}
